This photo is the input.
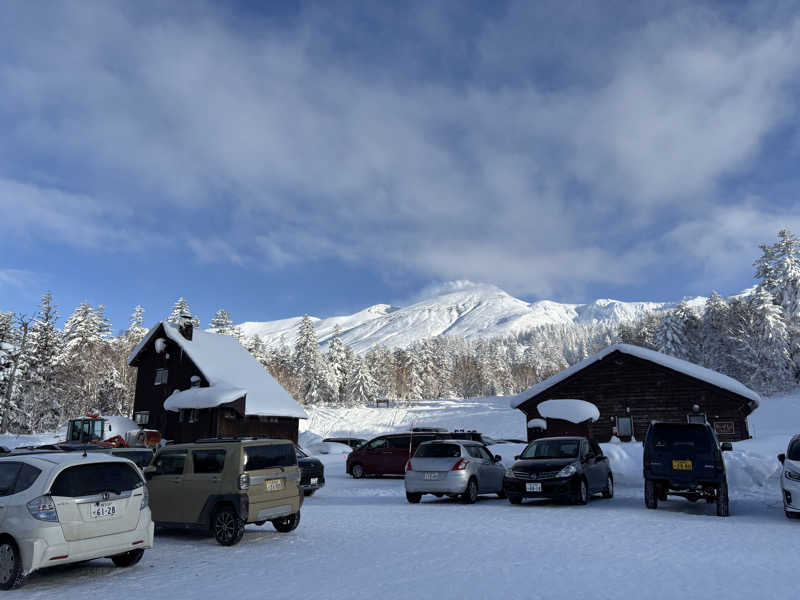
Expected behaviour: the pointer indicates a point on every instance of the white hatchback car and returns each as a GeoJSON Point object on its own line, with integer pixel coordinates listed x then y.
{"type": "Point", "coordinates": [58, 508]}
{"type": "Point", "coordinates": [790, 478]}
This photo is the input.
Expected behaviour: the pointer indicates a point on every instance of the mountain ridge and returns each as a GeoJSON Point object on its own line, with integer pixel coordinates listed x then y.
{"type": "Point", "coordinates": [473, 311]}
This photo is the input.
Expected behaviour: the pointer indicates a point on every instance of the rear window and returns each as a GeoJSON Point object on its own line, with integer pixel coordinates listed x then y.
{"type": "Point", "coordinates": [16, 477]}
{"type": "Point", "coordinates": [666, 437]}
{"type": "Point", "coordinates": [794, 451]}
{"type": "Point", "coordinates": [140, 459]}
{"type": "Point", "coordinates": [439, 451]}
{"type": "Point", "coordinates": [269, 457]}
{"type": "Point", "coordinates": [88, 480]}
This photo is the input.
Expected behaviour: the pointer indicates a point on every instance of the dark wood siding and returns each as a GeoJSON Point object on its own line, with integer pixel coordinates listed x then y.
{"type": "Point", "coordinates": [621, 385]}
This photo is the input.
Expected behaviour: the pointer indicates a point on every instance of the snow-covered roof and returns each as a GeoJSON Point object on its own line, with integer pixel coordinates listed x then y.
{"type": "Point", "coordinates": [537, 424]}
{"type": "Point", "coordinates": [676, 364]}
{"type": "Point", "coordinates": [574, 411]}
{"type": "Point", "coordinates": [231, 372]}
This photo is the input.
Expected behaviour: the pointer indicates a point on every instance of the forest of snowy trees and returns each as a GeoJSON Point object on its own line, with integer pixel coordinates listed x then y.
{"type": "Point", "coordinates": [49, 374]}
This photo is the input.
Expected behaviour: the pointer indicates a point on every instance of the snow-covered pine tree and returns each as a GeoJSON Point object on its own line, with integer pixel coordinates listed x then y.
{"type": "Point", "coordinates": [337, 359]}
{"type": "Point", "coordinates": [222, 322]}
{"type": "Point", "coordinates": [136, 329]}
{"type": "Point", "coordinates": [361, 387]}
{"type": "Point", "coordinates": [103, 323]}
{"type": "Point", "coordinates": [762, 344]}
{"type": "Point", "coordinates": [308, 364]}
{"type": "Point", "coordinates": [181, 307]}
{"type": "Point", "coordinates": [714, 335]}
{"type": "Point", "coordinates": [671, 335]}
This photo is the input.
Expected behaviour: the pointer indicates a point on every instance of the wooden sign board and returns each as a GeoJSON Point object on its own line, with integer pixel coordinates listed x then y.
{"type": "Point", "coordinates": [724, 427]}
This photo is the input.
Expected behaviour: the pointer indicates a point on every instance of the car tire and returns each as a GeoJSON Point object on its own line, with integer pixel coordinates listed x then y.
{"type": "Point", "coordinates": [470, 495]}
{"type": "Point", "coordinates": [650, 494]}
{"type": "Point", "coordinates": [287, 524]}
{"type": "Point", "coordinates": [582, 495]}
{"type": "Point", "coordinates": [227, 527]}
{"type": "Point", "coordinates": [515, 499]}
{"type": "Point", "coordinates": [259, 523]}
{"type": "Point", "coordinates": [357, 471]}
{"type": "Point", "coordinates": [308, 493]}
{"type": "Point", "coordinates": [413, 498]}
{"type": "Point", "coordinates": [723, 502]}
{"type": "Point", "coordinates": [11, 575]}
{"type": "Point", "coordinates": [128, 559]}
{"type": "Point", "coordinates": [608, 491]}
{"type": "Point", "coordinates": [501, 494]}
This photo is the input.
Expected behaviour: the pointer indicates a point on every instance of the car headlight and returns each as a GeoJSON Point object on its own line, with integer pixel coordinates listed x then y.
{"type": "Point", "coordinates": [509, 473]}
{"type": "Point", "coordinates": [567, 471]}
{"type": "Point", "coordinates": [791, 475]}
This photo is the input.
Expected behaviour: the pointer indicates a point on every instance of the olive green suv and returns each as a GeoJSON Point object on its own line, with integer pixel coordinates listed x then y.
{"type": "Point", "coordinates": [222, 484]}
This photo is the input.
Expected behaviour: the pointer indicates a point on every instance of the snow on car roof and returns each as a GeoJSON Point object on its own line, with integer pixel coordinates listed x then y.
{"type": "Point", "coordinates": [670, 362]}
{"type": "Point", "coordinates": [231, 372]}
{"type": "Point", "coordinates": [574, 411]}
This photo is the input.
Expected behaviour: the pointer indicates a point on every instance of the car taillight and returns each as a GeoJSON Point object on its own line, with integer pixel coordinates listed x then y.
{"type": "Point", "coordinates": [244, 481]}
{"type": "Point", "coordinates": [408, 465]}
{"type": "Point", "coordinates": [460, 465]}
{"type": "Point", "coordinates": [43, 508]}
{"type": "Point", "coordinates": [145, 498]}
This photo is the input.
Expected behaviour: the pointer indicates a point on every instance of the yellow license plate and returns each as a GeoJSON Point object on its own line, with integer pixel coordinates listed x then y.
{"type": "Point", "coordinates": [681, 465]}
{"type": "Point", "coordinates": [274, 485]}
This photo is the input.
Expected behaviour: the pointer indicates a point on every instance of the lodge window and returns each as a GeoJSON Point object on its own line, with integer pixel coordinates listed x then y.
{"type": "Point", "coordinates": [624, 427]}
{"type": "Point", "coordinates": [697, 418]}
{"type": "Point", "coordinates": [162, 375]}
{"type": "Point", "coordinates": [188, 415]}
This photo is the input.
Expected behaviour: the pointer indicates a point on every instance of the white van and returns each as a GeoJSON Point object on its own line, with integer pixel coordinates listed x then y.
{"type": "Point", "coordinates": [58, 508]}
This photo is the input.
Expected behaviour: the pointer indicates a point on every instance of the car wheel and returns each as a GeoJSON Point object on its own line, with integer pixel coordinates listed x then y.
{"type": "Point", "coordinates": [470, 495]}
{"type": "Point", "coordinates": [582, 497]}
{"type": "Point", "coordinates": [608, 491]}
{"type": "Point", "coordinates": [791, 515]}
{"type": "Point", "coordinates": [413, 498]}
{"type": "Point", "coordinates": [650, 494]}
{"type": "Point", "coordinates": [308, 493]}
{"type": "Point", "coordinates": [287, 524]}
{"type": "Point", "coordinates": [128, 559]}
{"type": "Point", "coordinates": [357, 471]}
{"type": "Point", "coordinates": [515, 499]}
{"type": "Point", "coordinates": [227, 527]}
{"type": "Point", "coordinates": [723, 505]}
{"type": "Point", "coordinates": [10, 565]}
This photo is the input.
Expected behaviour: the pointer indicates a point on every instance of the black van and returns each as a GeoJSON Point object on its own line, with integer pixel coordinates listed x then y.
{"type": "Point", "coordinates": [685, 459]}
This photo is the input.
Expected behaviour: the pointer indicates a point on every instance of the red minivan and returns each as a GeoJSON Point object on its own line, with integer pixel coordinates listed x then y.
{"type": "Point", "coordinates": [387, 454]}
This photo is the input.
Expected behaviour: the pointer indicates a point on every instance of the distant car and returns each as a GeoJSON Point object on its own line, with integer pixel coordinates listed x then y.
{"type": "Point", "coordinates": [387, 454]}
{"type": "Point", "coordinates": [685, 459]}
{"type": "Point", "coordinates": [460, 434]}
{"type": "Point", "coordinates": [456, 468]}
{"type": "Point", "coordinates": [790, 478]}
{"type": "Point", "coordinates": [567, 468]}
{"type": "Point", "coordinates": [312, 472]}
{"type": "Point", "coordinates": [350, 441]}
{"type": "Point", "coordinates": [66, 507]}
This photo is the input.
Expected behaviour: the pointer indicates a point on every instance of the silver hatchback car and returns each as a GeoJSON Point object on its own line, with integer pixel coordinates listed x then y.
{"type": "Point", "coordinates": [455, 468]}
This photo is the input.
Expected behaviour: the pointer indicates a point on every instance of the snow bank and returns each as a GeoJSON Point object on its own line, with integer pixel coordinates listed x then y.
{"type": "Point", "coordinates": [574, 411]}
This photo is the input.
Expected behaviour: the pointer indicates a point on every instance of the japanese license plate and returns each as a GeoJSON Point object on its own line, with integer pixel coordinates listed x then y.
{"type": "Point", "coordinates": [102, 510]}
{"type": "Point", "coordinates": [274, 485]}
{"type": "Point", "coordinates": [681, 465]}
{"type": "Point", "coordinates": [314, 480]}
{"type": "Point", "coordinates": [431, 476]}
{"type": "Point", "coordinates": [533, 487]}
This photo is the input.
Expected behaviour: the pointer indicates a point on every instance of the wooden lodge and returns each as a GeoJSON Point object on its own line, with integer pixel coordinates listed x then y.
{"type": "Point", "coordinates": [632, 387]}
{"type": "Point", "coordinates": [191, 384]}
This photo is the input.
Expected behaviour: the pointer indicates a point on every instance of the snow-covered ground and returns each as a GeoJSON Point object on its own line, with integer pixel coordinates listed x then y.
{"type": "Point", "coordinates": [361, 539]}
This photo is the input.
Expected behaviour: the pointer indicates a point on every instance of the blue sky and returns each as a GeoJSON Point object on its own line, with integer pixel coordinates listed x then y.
{"type": "Point", "coordinates": [282, 158]}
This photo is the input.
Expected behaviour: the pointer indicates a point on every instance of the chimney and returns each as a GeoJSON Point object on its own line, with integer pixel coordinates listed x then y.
{"type": "Point", "coordinates": [185, 325]}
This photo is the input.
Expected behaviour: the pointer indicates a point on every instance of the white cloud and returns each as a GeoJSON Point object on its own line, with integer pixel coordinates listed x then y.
{"type": "Point", "coordinates": [275, 152]}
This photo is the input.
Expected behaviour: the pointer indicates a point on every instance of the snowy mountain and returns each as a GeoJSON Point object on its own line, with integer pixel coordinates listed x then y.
{"type": "Point", "coordinates": [472, 311]}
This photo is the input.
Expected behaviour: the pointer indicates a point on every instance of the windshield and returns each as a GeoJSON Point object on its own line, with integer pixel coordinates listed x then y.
{"type": "Point", "coordinates": [85, 430]}
{"type": "Point", "coordinates": [794, 451]}
{"type": "Point", "coordinates": [552, 449]}
{"type": "Point", "coordinates": [300, 453]}
{"type": "Point", "coordinates": [438, 451]}
{"type": "Point", "coordinates": [667, 437]}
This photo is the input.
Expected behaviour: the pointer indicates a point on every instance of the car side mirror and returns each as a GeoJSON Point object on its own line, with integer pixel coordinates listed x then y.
{"type": "Point", "coordinates": [781, 457]}
{"type": "Point", "coordinates": [726, 447]}
{"type": "Point", "coordinates": [497, 458]}
{"type": "Point", "coordinates": [517, 457]}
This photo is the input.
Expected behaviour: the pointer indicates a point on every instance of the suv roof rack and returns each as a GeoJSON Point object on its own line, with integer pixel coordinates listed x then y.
{"type": "Point", "coordinates": [232, 439]}
{"type": "Point", "coordinates": [429, 430]}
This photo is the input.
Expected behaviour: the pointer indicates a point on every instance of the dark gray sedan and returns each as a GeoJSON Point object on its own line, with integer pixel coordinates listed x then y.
{"type": "Point", "coordinates": [455, 468]}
